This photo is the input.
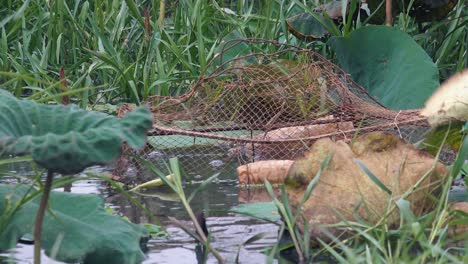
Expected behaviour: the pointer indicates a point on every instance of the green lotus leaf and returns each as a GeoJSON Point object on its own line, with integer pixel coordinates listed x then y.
{"type": "Point", "coordinates": [67, 139]}
{"type": "Point", "coordinates": [75, 223]}
{"type": "Point", "coordinates": [389, 64]}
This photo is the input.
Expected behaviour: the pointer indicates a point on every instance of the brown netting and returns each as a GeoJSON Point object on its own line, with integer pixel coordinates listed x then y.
{"type": "Point", "coordinates": [262, 106]}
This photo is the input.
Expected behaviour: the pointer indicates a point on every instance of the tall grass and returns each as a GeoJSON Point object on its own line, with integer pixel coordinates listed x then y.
{"type": "Point", "coordinates": [445, 41]}
{"type": "Point", "coordinates": [114, 51]}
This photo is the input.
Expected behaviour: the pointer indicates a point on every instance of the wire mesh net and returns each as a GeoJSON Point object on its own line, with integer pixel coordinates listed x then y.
{"type": "Point", "coordinates": [253, 106]}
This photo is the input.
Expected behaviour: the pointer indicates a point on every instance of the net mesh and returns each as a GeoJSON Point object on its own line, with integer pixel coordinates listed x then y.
{"type": "Point", "coordinates": [263, 106]}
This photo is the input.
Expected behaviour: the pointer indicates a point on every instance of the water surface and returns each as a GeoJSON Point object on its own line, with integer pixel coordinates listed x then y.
{"type": "Point", "coordinates": [229, 231]}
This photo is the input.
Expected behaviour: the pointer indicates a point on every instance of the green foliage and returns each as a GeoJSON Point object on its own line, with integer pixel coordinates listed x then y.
{"type": "Point", "coordinates": [445, 41]}
{"type": "Point", "coordinates": [109, 53]}
{"type": "Point", "coordinates": [115, 50]}
{"type": "Point", "coordinates": [389, 64]}
{"type": "Point", "coordinates": [156, 231]}
{"type": "Point", "coordinates": [174, 181]}
{"type": "Point", "coordinates": [462, 155]}
{"type": "Point", "coordinates": [66, 139]}
{"type": "Point", "coordinates": [419, 239]}
{"type": "Point", "coordinates": [372, 176]}
{"type": "Point", "coordinates": [433, 139]}
{"type": "Point", "coordinates": [76, 227]}
{"type": "Point", "coordinates": [444, 38]}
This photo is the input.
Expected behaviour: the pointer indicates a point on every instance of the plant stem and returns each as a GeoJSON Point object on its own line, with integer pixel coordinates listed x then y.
{"type": "Point", "coordinates": [290, 223]}
{"type": "Point", "coordinates": [40, 217]}
{"type": "Point", "coordinates": [200, 231]}
{"type": "Point", "coordinates": [388, 13]}
{"type": "Point", "coordinates": [162, 11]}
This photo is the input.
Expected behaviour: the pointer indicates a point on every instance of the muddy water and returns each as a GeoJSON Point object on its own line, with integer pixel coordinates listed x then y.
{"type": "Point", "coordinates": [229, 231]}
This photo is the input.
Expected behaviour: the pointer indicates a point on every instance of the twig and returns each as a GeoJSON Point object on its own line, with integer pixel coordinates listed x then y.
{"type": "Point", "coordinates": [417, 120]}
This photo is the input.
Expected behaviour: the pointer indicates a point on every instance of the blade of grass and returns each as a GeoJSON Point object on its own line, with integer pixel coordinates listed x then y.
{"type": "Point", "coordinates": [372, 177]}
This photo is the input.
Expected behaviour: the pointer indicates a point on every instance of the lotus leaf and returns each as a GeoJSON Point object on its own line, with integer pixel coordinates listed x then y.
{"type": "Point", "coordinates": [66, 139]}
{"type": "Point", "coordinates": [389, 64]}
{"type": "Point", "coordinates": [76, 223]}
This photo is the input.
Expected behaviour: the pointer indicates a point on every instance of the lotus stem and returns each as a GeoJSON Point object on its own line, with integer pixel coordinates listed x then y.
{"type": "Point", "coordinates": [388, 13]}
{"type": "Point", "coordinates": [40, 217]}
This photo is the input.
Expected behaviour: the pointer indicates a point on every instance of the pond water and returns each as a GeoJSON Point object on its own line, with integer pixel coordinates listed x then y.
{"type": "Point", "coordinates": [229, 231]}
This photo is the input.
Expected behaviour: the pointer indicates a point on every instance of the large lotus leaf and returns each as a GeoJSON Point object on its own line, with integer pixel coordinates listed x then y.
{"type": "Point", "coordinates": [79, 226]}
{"type": "Point", "coordinates": [66, 139]}
{"type": "Point", "coordinates": [389, 64]}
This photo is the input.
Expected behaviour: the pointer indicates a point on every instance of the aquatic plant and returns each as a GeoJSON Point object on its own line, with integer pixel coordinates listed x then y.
{"type": "Point", "coordinates": [126, 51]}
{"type": "Point", "coordinates": [65, 140]}
{"type": "Point", "coordinates": [174, 181]}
